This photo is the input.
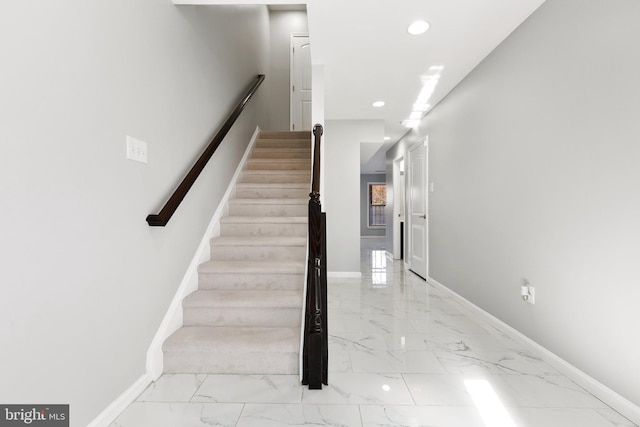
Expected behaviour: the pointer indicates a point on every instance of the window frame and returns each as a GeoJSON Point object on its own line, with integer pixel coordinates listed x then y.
{"type": "Point", "coordinates": [370, 205]}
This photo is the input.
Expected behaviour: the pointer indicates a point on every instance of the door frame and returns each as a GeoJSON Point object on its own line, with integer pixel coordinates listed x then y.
{"type": "Point", "coordinates": [292, 37]}
{"type": "Point", "coordinates": [408, 255]}
{"type": "Point", "coordinates": [398, 208]}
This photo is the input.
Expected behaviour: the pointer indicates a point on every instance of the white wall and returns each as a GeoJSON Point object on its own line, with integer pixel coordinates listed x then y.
{"type": "Point", "coordinates": [341, 195]}
{"type": "Point", "coordinates": [282, 23]}
{"type": "Point", "coordinates": [84, 282]}
{"type": "Point", "coordinates": [534, 158]}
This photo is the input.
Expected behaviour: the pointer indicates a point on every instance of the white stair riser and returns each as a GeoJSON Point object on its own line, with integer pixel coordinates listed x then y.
{"type": "Point", "coordinates": [268, 210]}
{"type": "Point", "coordinates": [289, 230]}
{"type": "Point", "coordinates": [212, 362]}
{"type": "Point", "coordinates": [258, 253]}
{"type": "Point", "coordinates": [275, 178]}
{"type": "Point", "coordinates": [268, 164]}
{"type": "Point", "coordinates": [243, 316]}
{"type": "Point", "coordinates": [274, 193]}
{"type": "Point", "coordinates": [249, 281]}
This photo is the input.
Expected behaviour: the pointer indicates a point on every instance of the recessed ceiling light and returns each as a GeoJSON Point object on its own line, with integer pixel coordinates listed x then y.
{"type": "Point", "coordinates": [387, 138]}
{"type": "Point", "coordinates": [421, 106]}
{"type": "Point", "coordinates": [378, 104]}
{"type": "Point", "coordinates": [418, 27]}
{"type": "Point", "coordinates": [411, 123]}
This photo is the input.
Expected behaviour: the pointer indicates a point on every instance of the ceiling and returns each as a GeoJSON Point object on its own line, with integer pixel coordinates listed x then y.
{"type": "Point", "coordinates": [369, 56]}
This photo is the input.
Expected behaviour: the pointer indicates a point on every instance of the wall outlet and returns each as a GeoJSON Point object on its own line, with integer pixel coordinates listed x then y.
{"type": "Point", "coordinates": [532, 295]}
{"type": "Point", "coordinates": [136, 150]}
{"type": "Point", "coordinates": [528, 293]}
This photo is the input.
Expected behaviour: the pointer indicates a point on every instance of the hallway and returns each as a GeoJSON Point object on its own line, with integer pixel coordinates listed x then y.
{"type": "Point", "coordinates": [401, 353]}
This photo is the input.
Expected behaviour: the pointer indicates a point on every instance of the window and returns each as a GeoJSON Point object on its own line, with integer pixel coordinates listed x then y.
{"type": "Point", "coordinates": [377, 202]}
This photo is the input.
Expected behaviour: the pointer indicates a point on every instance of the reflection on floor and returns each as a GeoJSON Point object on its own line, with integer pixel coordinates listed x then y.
{"type": "Point", "coordinates": [402, 353]}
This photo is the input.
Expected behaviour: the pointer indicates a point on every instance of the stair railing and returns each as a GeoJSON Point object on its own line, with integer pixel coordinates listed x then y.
{"type": "Point", "coordinates": [315, 348]}
{"type": "Point", "coordinates": [170, 207]}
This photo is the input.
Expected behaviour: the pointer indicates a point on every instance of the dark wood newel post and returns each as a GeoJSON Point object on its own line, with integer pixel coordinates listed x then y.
{"type": "Point", "coordinates": [315, 352]}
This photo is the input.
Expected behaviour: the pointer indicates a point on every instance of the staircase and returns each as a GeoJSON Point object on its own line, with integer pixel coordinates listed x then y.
{"type": "Point", "coordinates": [245, 317]}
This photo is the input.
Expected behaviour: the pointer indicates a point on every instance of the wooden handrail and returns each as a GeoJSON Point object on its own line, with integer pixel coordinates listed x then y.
{"type": "Point", "coordinates": [161, 219]}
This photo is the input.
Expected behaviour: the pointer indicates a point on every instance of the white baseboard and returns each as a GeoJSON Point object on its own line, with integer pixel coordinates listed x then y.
{"type": "Point", "coordinates": [112, 411]}
{"type": "Point", "coordinates": [599, 390]}
{"type": "Point", "coordinates": [345, 274]}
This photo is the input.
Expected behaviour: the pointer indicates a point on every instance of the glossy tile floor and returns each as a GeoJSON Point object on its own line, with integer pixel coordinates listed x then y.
{"type": "Point", "coordinates": [402, 353]}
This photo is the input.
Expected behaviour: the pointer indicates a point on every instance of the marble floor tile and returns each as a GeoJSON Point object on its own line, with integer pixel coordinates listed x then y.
{"type": "Point", "coordinates": [420, 416]}
{"type": "Point", "coordinates": [358, 341]}
{"type": "Point", "coordinates": [614, 418]}
{"type": "Point", "coordinates": [172, 388]}
{"type": "Point", "coordinates": [408, 342]}
{"type": "Point", "coordinates": [465, 342]}
{"type": "Point", "coordinates": [250, 388]}
{"type": "Point", "coordinates": [359, 388]}
{"type": "Point", "coordinates": [339, 361]}
{"type": "Point", "coordinates": [559, 417]}
{"type": "Point", "coordinates": [440, 326]}
{"type": "Point", "coordinates": [487, 362]}
{"type": "Point", "coordinates": [537, 361]}
{"type": "Point", "coordinates": [277, 415]}
{"type": "Point", "coordinates": [553, 391]}
{"type": "Point", "coordinates": [386, 361]}
{"type": "Point", "coordinates": [165, 414]}
{"type": "Point", "coordinates": [400, 352]}
{"type": "Point", "coordinates": [438, 389]}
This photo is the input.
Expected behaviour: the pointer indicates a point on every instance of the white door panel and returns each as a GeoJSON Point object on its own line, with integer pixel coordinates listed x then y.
{"type": "Point", "coordinates": [418, 247]}
{"type": "Point", "coordinates": [300, 83]}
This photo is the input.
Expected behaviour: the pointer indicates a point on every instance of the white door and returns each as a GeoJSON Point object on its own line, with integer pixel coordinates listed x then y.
{"type": "Point", "coordinates": [300, 83]}
{"type": "Point", "coordinates": [418, 225]}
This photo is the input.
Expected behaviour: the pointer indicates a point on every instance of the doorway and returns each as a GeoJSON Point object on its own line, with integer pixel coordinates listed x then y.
{"type": "Point", "coordinates": [418, 227]}
{"type": "Point", "coordinates": [398, 208]}
{"type": "Point", "coordinates": [300, 109]}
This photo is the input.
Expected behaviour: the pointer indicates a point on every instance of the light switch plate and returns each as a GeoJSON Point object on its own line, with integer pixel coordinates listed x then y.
{"type": "Point", "coordinates": [136, 150]}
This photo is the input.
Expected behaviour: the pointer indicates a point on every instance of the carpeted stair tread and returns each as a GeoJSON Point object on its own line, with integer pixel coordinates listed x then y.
{"type": "Point", "coordinates": [263, 220]}
{"type": "Point", "coordinates": [269, 185]}
{"type": "Point", "coordinates": [255, 201]}
{"type": "Point", "coordinates": [301, 134]}
{"type": "Point", "coordinates": [258, 241]}
{"type": "Point", "coordinates": [233, 339]}
{"type": "Point", "coordinates": [258, 161]}
{"type": "Point", "coordinates": [281, 153]}
{"type": "Point", "coordinates": [256, 267]}
{"type": "Point", "coordinates": [291, 172]}
{"type": "Point", "coordinates": [243, 299]}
